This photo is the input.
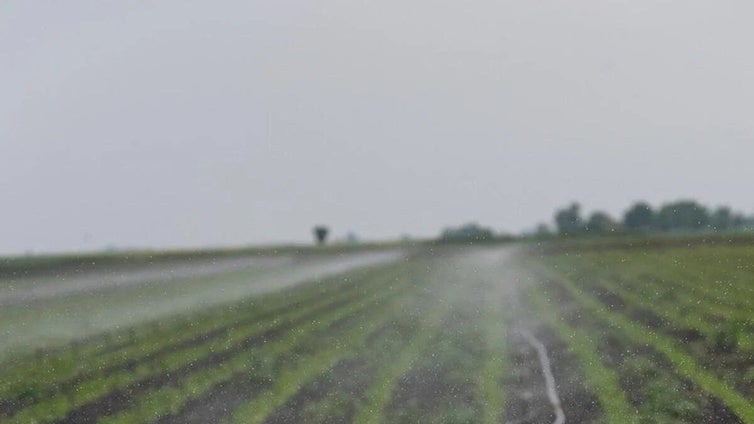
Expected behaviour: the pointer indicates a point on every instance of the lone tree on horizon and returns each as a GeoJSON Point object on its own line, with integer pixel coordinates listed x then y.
{"type": "Point", "coordinates": [320, 234]}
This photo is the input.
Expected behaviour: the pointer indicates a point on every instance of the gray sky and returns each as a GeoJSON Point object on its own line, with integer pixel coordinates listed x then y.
{"type": "Point", "coordinates": [182, 123]}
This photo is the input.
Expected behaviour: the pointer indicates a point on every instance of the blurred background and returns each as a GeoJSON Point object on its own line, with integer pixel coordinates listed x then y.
{"type": "Point", "coordinates": [186, 124]}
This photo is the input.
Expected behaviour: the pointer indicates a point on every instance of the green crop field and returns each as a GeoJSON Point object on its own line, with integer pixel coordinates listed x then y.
{"type": "Point", "coordinates": [613, 332]}
{"type": "Point", "coordinates": [672, 323]}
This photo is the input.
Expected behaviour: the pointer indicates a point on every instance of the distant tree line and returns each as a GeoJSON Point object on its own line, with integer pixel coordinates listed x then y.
{"type": "Point", "coordinates": [678, 216]}
{"type": "Point", "coordinates": [471, 232]}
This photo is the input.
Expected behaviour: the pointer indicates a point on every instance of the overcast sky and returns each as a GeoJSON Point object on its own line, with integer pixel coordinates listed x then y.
{"type": "Point", "coordinates": [182, 123]}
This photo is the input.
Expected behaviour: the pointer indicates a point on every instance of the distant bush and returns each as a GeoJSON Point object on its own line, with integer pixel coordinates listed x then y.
{"type": "Point", "coordinates": [639, 217]}
{"type": "Point", "coordinates": [569, 221]}
{"type": "Point", "coordinates": [601, 223]}
{"type": "Point", "coordinates": [467, 233]}
{"type": "Point", "coordinates": [682, 215]}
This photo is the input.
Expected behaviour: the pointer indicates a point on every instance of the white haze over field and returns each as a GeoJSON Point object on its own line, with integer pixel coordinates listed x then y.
{"type": "Point", "coordinates": [186, 123]}
{"type": "Point", "coordinates": [37, 312]}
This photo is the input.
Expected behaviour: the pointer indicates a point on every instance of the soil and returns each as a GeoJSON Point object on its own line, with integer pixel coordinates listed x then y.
{"type": "Point", "coordinates": [527, 397]}
{"type": "Point", "coordinates": [429, 390]}
{"type": "Point", "coordinates": [122, 399]}
{"type": "Point", "coordinates": [219, 402]}
{"type": "Point", "coordinates": [611, 300]}
{"type": "Point", "coordinates": [9, 408]}
{"type": "Point", "coordinates": [648, 318]}
{"type": "Point", "coordinates": [738, 360]}
{"type": "Point", "coordinates": [717, 412]}
{"type": "Point", "coordinates": [349, 377]}
{"type": "Point", "coordinates": [686, 335]}
{"type": "Point", "coordinates": [618, 351]}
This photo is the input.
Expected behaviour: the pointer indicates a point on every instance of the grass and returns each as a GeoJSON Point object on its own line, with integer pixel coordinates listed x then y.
{"type": "Point", "coordinates": [495, 366]}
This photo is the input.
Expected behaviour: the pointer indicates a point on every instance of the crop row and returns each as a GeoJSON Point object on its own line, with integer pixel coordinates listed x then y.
{"type": "Point", "coordinates": [722, 344]}
{"type": "Point", "coordinates": [36, 376]}
{"type": "Point", "coordinates": [72, 398]}
{"type": "Point", "coordinates": [262, 364]}
{"type": "Point", "coordinates": [440, 357]}
{"type": "Point", "coordinates": [657, 359]}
